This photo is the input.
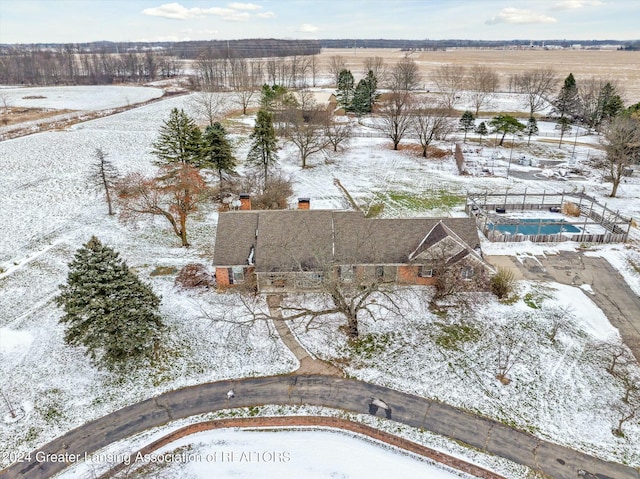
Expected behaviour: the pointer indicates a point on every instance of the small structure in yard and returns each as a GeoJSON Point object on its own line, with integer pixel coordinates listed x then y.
{"type": "Point", "coordinates": [289, 250]}
{"type": "Point", "coordinates": [546, 217]}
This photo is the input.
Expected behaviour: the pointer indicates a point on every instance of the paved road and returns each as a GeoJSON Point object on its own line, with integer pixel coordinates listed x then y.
{"type": "Point", "coordinates": [611, 293]}
{"type": "Point", "coordinates": [347, 394]}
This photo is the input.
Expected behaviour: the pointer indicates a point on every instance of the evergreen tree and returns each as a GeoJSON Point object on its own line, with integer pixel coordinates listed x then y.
{"type": "Point", "coordinates": [506, 124]}
{"type": "Point", "coordinates": [531, 128]}
{"type": "Point", "coordinates": [482, 130]}
{"type": "Point", "coordinates": [108, 310]}
{"type": "Point", "coordinates": [567, 103]}
{"type": "Point", "coordinates": [275, 97]}
{"type": "Point", "coordinates": [264, 145]}
{"type": "Point", "coordinates": [179, 141]}
{"type": "Point", "coordinates": [345, 89]}
{"type": "Point", "coordinates": [104, 175]}
{"type": "Point", "coordinates": [467, 123]}
{"type": "Point", "coordinates": [565, 125]}
{"type": "Point", "coordinates": [360, 104]}
{"type": "Point", "coordinates": [217, 153]}
{"type": "Point", "coordinates": [611, 103]}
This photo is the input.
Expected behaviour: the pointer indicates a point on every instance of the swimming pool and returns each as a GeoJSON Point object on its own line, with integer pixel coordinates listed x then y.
{"type": "Point", "coordinates": [533, 226]}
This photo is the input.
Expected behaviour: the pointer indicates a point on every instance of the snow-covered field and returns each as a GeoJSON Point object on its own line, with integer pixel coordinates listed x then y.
{"type": "Point", "coordinates": [49, 211]}
{"type": "Point", "coordinates": [79, 97]}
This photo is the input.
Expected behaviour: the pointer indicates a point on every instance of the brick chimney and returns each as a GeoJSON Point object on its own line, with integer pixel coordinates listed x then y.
{"type": "Point", "coordinates": [245, 201]}
{"type": "Point", "coordinates": [304, 203]}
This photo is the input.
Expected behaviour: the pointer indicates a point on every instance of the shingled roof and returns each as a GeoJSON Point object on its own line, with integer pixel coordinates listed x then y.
{"type": "Point", "coordinates": [303, 240]}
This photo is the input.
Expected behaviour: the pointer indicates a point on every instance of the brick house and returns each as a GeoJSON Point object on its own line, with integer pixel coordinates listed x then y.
{"type": "Point", "coordinates": [294, 249]}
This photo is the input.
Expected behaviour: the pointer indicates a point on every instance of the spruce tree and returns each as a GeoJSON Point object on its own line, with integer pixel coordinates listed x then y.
{"type": "Point", "coordinates": [482, 130]}
{"type": "Point", "coordinates": [217, 153]}
{"type": "Point", "coordinates": [179, 140]}
{"type": "Point", "coordinates": [531, 128]}
{"type": "Point", "coordinates": [365, 95]}
{"type": "Point", "coordinates": [567, 103]}
{"type": "Point", "coordinates": [467, 123]}
{"type": "Point", "coordinates": [108, 310]}
{"type": "Point", "coordinates": [345, 89]}
{"type": "Point", "coordinates": [264, 143]}
{"type": "Point", "coordinates": [610, 102]}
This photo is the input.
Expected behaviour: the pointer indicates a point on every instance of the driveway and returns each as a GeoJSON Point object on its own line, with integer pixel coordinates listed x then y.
{"type": "Point", "coordinates": [611, 293]}
{"type": "Point", "coordinates": [328, 391]}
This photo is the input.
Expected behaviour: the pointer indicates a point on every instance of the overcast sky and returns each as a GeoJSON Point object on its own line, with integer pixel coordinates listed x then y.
{"type": "Point", "coordinates": [33, 21]}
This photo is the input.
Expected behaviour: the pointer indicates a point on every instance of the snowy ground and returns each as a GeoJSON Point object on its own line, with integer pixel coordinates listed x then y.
{"type": "Point", "coordinates": [49, 211]}
{"type": "Point", "coordinates": [108, 457]}
{"type": "Point", "coordinates": [79, 97]}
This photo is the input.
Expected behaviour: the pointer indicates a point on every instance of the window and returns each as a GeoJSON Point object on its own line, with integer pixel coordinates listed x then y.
{"type": "Point", "coordinates": [467, 272]}
{"type": "Point", "coordinates": [347, 273]}
{"type": "Point", "coordinates": [380, 272]}
{"type": "Point", "coordinates": [237, 275]}
{"type": "Point", "coordinates": [425, 272]}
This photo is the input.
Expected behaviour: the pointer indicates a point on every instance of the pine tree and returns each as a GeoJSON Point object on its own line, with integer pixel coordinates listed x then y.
{"type": "Point", "coordinates": [179, 141]}
{"type": "Point", "coordinates": [217, 153]}
{"type": "Point", "coordinates": [531, 128]}
{"type": "Point", "coordinates": [264, 146]}
{"type": "Point", "coordinates": [345, 89]}
{"type": "Point", "coordinates": [108, 310]}
{"type": "Point", "coordinates": [567, 103]}
{"type": "Point", "coordinates": [482, 130]}
{"type": "Point", "coordinates": [506, 124]}
{"type": "Point", "coordinates": [104, 176]}
{"type": "Point", "coordinates": [467, 123]}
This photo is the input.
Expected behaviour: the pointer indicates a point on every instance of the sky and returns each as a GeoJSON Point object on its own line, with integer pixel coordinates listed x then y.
{"type": "Point", "coordinates": [75, 21]}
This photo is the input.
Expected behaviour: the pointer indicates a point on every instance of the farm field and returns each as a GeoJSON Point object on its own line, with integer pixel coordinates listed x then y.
{"type": "Point", "coordinates": [620, 66]}
{"type": "Point", "coordinates": [49, 211]}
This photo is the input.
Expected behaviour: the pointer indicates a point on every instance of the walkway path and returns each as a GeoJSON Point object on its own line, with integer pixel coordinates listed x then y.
{"type": "Point", "coordinates": [327, 391]}
{"type": "Point", "coordinates": [611, 293]}
{"type": "Point", "coordinates": [308, 364]}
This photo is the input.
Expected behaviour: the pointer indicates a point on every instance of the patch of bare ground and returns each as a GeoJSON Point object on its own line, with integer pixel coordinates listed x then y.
{"type": "Point", "coordinates": [15, 115]}
{"type": "Point", "coordinates": [623, 67]}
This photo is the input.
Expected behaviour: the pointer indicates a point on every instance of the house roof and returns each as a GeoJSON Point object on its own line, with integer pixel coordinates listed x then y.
{"type": "Point", "coordinates": [298, 240]}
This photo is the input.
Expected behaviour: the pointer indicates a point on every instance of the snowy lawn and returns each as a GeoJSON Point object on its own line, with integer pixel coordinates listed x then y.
{"type": "Point", "coordinates": [556, 389]}
{"type": "Point", "coordinates": [49, 211]}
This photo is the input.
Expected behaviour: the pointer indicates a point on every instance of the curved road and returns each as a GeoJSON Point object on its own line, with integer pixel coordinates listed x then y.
{"type": "Point", "coordinates": [347, 394]}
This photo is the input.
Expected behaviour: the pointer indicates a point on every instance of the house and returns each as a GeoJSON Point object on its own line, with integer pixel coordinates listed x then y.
{"type": "Point", "coordinates": [295, 249]}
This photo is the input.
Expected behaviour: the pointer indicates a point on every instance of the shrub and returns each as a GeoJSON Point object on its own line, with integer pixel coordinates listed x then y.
{"type": "Point", "coordinates": [570, 209]}
{"type": "Point", "coordinates": [194, 275]}
{"type": "Point", "coordinates": [502, 283]}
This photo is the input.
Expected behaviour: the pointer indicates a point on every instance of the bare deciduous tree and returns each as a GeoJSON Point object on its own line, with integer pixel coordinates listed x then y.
{"type": "Point", "coordinates": [377, 66]}
{"type": "Point", "coordinates": [511, 341]}
{"type": "Point", "coordinates": [482, 82]}
{"type": "Point", "coordinates": [622, 147]}
{"type": "Point", "coordinates": [536, 85]}
{"type": "Point", "coordinates": [307, 134]}
{"type": "Point", "coordinates": [404, 77]}
{"type": "Point", "coordinates": [174, 195]}
{"type": "Point", "coordinates": [394, 116]}
{"type": "Point", "coordinates": [430, 121]}
{"type": "Point", "coordinates": [612, 352]}
{"type": "Point", "coordinates": [338, 133]}
{"type": "Point", "coordinates": [450, 80]}
{"type": "Point", "coordinates": [351, 296]}
{"type": "Point", "coordinates": [336, 65]}
{"type": "Point", "coordinates": [210, 105]}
